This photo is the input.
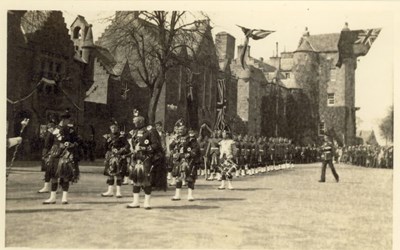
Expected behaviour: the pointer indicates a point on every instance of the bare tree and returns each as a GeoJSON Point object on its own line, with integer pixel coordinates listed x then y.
{"type": "Point", "coordinates": [153, 43]}
{"type": "Point", "coordinates": [386, 125]}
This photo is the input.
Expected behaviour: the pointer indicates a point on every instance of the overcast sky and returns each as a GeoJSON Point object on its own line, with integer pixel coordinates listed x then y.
{"type": "Point", "coordinates": [374, 74]}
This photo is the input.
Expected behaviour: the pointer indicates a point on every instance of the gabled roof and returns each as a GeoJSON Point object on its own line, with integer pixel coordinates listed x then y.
{"type": "Point", "coordinates": [325, 42]}
{"type": "Point", "coordinates": [368, 136]}
{"type": "Point", "coordinates": [305, 45]}
{"type": "Point", "coordinates": [81, 19]}
{"type": "Point", "coordinates": [106, 59]}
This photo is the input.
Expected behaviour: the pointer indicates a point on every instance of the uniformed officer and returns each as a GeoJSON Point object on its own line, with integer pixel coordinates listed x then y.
{"type": "Point", "coordinates": [327, 158]}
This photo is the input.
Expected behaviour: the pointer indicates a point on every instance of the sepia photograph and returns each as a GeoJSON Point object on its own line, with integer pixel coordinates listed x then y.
{"type": "Point", "coordinates": [191, 125]}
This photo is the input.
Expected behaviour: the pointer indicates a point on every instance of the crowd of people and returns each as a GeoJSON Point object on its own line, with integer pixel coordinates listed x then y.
{"type": "Point", "coordinates": [150, 159]}
{"type": "Point", "coordinates": [366, 156]}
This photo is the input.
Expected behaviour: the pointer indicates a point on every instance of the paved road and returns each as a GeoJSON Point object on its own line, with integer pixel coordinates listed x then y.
{"type": "Point", "coordinates": [287, 209]}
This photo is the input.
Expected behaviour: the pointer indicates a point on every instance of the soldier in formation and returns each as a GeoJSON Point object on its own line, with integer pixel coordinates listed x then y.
{"type": "Point", "coordinates": [117, 150]}
{"type": "Point", "coordinates": [146, 152]}
{"type": "Point", "coordinates": [62, 161]}
{"type": "Point", "coordinates": [186, 158]}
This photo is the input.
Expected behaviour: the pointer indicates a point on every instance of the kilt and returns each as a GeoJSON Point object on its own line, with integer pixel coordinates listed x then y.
{"type": "Point", "coordinates": [115, 165]}
{"type": "Point", "coordinates": [140, 171]}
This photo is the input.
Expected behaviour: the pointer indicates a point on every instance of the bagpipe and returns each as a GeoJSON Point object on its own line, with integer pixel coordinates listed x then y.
{"type": "Point", "coordinates": [61, 160]}
{"type": "Point", "coordinates": [137, 172]}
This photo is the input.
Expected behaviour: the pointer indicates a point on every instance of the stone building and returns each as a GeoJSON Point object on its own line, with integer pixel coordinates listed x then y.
{"type": "Point", "coordinates": [45, 76]}
{"type": "Point", "coordinates": [113, 91]}
{"type": "Point", "coordinates": [301, 94]}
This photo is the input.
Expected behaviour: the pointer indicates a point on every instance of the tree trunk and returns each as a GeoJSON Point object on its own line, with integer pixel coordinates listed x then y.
{"type": "Point", "coordinates": [155, 95]}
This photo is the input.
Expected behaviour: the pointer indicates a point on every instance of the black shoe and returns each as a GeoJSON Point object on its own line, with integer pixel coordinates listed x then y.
{"type": "Point", "coordinates": [64, 202]}
{"type": "Point", "coordinates": [321, 181]}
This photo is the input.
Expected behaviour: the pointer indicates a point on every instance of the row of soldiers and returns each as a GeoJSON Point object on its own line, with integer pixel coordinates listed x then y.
{"type": "Point", "coordinates": [249, 155]}
{"type": "Point", "coordinates": [366, 156]}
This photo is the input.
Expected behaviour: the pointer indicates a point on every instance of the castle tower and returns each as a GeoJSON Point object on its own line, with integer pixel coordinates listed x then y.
{"type": "Point", "coordinates": [88, 46]}
{"type": "Point", "coordinates": [305, 70]}
{"type": "Point", "coordinates": [78, 31]}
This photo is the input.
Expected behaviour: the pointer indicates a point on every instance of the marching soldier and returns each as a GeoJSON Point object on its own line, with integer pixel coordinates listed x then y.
{"type": "Point", "coordinates": [174, 140]}
{"type": "Point", "coordinates": [213, 154]}
{"type": "Point", "coordinates": [227, 163]}
{"type": "Point", "coordinates": [146, 147]}
{"type": "Point", "coordinates": [186, 163]}
{"type": "Point", "coordinates": [327, 158]}
{"type": "Point", "coordinates": [117, 149]}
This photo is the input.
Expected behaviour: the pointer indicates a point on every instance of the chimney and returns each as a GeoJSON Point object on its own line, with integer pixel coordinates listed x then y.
{"type": "Point", "coordinates": [225, 44]}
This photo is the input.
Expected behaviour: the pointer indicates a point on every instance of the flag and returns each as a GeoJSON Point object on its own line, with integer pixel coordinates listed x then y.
{"type": "Point", "coordinates": [256, 34]}
{"type": "Point", "coordinates": [221, 105]}
{"type": "Point", "coordinates": [354, 43]}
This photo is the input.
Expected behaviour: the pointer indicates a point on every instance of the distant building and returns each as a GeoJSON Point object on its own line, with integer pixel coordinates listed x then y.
{"type": "Point", "coordinates": [301, 94]}
{"type": "Point", "coordinates": [113, 91]}
{"type": "Point", "coordinates": [367, 137]}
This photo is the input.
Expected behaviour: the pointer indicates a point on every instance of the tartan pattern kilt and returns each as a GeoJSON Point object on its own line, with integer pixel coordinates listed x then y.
{"type": "Point", "coordinates": [140, 170]}
{"type": "Point", "coordinates": [115, 165]}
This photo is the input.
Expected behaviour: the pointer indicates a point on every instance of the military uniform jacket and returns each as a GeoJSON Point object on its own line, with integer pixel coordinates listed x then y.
{"type": "Point", "coordinates": [146, 142]}
{"type": "Point", "coordinates": [192, 150]}
{"type": "Point", "coordinates": [327, 151]}
{"type": "Point", "coordinates": [213, 146]}
{"type": "Point", "coordinates": [116, 141]}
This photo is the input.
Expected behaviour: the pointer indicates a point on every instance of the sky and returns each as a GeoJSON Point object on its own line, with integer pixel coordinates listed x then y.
{"type": "Point", "coordinates": [374, 74]}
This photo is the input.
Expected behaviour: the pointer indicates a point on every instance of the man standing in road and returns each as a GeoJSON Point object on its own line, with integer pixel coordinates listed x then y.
{"type": "Point", "coordinates": [327, 158]}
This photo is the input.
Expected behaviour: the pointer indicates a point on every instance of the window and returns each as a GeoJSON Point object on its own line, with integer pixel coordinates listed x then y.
{"type": "Point", "coordinates": [321, 128]}
{"type": "Point", "coordinates": [77, 33]}
{"type": "Point", "coordinates": [331, 99]}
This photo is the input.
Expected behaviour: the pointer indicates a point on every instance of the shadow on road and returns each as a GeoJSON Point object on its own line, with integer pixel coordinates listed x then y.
{"type": "Point", "coordinates": [251, 189]}
{"type": "Point", "coordinates": [102, 202]}
{"type": "Point", "coordinates": [27, 198]}
{"type": "Point", "coordinates": [187, 207]}
{"type": "Point", "coordinates": [221, 199]}
{"type": "Point", "coordinates": [23, 211]}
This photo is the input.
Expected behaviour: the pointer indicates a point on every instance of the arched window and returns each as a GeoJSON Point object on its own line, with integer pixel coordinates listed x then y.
{"type": "Point", "coordinates": [77, 33]}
